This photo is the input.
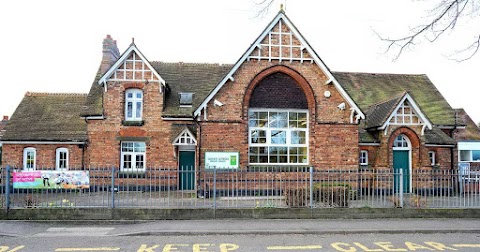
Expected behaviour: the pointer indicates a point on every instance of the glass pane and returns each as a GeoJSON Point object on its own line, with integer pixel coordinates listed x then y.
{"type": "Point", "coordinates": [278, 119]}
{"type": "Point", "coordinates": [293, 120]}
{"type": "Point", "coordinates": [252, 119]}
{"type": "Point", "coordinates": [139, 110]}
{"type": "Point", "coordinates": [464, 155]}
{"type": "Point", "coordinates": [258, 136]}
{"type": "Point", "coordinates": [279, 137]}
{"type": "Point", "coordinates": [476, 155]}
{"type": "Point", "coordinates": [298, 137]}
{"type": "Point", "coordinates": [127, 161]}
{"type": "Point", "coordinates": [302, 120]}
{"type": "Point", "coordinates": [139, 162]}
{"type": "Point", "coordinates": [139, 147]}
{"type": "Point", "coordinates": [139, 95]}
{"type": "Point", "coordinates": [130, 95]}
{"type": "Point", "coordinates": [129, 109]}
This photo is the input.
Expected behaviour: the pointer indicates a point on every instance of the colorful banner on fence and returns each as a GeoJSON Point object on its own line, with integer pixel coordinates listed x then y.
{"type": "Point", "coordinates": [51, 180]}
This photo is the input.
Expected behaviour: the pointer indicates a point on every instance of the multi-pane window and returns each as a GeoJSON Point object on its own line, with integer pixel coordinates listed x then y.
{"type": "Point", "coordinates": [431, 157]}
{"type": "Point", "coordinates": [133, 105]}
{"type": "Point", "coordinates": [278, 136]}
{"type": "Point", "coordinates": [363, 157]}
{"type": "Point", "coordinates": [29, 159]}
{"type": "Point", "coordinates": [405, 115]}
{"type": "Point", "coordinates": [133, 156]}
{"type": "Point", "coordinates": [62, 158]}
{"type": "Point", "coordinates": [400, 141]}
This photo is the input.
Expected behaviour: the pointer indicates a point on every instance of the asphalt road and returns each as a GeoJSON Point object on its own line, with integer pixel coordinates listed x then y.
{"type": "Point", "coordinates": [247, 243]}
{"type": "Point", "coordinates": [243, 235]}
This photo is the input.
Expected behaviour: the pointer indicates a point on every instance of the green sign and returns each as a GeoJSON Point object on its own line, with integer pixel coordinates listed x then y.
{"type": "Point", "coordinates": [222, 160]}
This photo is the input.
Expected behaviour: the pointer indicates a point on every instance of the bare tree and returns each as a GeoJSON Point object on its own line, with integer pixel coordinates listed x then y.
{"type": "Point", "coordinates": [264, 5]}
{"type": "Point", "coordinates": [443, 17]}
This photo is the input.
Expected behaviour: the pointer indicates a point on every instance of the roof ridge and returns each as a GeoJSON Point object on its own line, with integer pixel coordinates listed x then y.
{"type": "Point", "coordinates": [191, 63]}
{"type": "Point", "coordinates": [402, 94]}
{"type": "Point", "coordinates": [399, 74]}
{"type": "Point", "coordinates": [40, 94]}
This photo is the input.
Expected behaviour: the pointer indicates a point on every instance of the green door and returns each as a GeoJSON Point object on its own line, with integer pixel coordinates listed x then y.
{"type": "Point", "coordinates": [401, 162]}
{"type": "Point", "coordinates": [186, 170]}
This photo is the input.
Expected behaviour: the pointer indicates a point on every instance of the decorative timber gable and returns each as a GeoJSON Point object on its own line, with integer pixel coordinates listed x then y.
{"type": "Point", "coordinates": [281, 41]}
{"type": "Point", "coordinates": [132, 66]}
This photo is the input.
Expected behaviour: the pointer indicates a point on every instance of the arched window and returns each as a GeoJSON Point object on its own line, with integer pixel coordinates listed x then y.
{"type": "Point", "coordinates": [278, 122]}
{"type": "Point", "coordinates": [133, 105]}
{"type": "Point", "coordinates": [29, 159]}
{"type": "Point", "coordinates": [61, 159]}
{"type": "Point", "coordinates": [401, 141]}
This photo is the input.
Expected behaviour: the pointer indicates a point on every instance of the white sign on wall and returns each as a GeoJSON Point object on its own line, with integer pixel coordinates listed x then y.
{"type": "Point", "coordinates": [221, 160]}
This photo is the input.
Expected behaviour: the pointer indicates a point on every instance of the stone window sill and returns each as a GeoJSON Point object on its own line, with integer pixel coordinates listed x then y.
{"type": "Point", "coordinates": [133, 123]}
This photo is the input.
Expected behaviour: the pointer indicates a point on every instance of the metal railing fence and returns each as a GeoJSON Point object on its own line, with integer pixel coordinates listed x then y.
{"type": "Point", "coordinates": [252, 187]}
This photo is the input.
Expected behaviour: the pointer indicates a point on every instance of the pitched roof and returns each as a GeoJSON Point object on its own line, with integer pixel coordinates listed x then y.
{"type": "Point", "coordinates": [282, 18]}
{"type": "Point", "coordinates": [437, 136]}
{"type": "Point", "coordinates": [48, 117]}
{"type": "Point", "coordinates": [3, 123]}
{"type": "Point", "coordinates": [196, 78]}
{"type": "Point", "coordinates": [94, 102]}
{"type": "Point", "coordinates": [471, 131]}
{"type": "Point", "coordinates": [370, 88]}
{"type": "Point", "coordinates": [377, 114]}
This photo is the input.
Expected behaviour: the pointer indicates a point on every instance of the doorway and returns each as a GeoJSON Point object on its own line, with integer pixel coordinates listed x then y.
{"type": "Point", "coordinates": [402, 150]}
{"type": "Point", "coordinates": [186, 170]}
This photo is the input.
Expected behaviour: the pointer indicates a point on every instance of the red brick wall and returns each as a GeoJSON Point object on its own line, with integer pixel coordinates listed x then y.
{"type": "Point", "coordinates": [45, 155]}
{"type": "Point", "coordinates": [333, 141]}
{"type": "Point", "coordinates": [106, 135]}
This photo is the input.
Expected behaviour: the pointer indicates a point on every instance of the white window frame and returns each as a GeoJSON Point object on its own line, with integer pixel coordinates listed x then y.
{"type": "Point", "coordinates": [58, 161]}
{"type": "Point", "coordinates": [25, 159]}
{"type": "Point", "coordinates": [134, 153]}
{"type": "Point", "coordinates": [363, 157]}
{"type": "Point", "coordinates": [432, 156]}
{"type": "Point", "coordinates": [134, 100]}
{"type": "Point", "coordinates": [288, 130]}
{"type": "Point", "coordinates": [470, 156]}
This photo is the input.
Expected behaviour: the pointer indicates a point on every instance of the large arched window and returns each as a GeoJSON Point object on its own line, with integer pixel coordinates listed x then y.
{"type": "Point", "coordinates": [133, 105]}
{"type": "Point", "coordinates": [278, 122]}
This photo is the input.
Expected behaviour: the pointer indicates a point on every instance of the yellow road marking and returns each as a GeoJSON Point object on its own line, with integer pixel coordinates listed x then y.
{"type": "Point", "coordinates": [294, 247]}
{"type": "Point", "coordinates": [466, 245]}
{"type": "Point", "coordinates": [86, 249]}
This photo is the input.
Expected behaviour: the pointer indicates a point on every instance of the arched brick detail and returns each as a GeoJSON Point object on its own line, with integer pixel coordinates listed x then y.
{"type": "Point", "coordinates": [412, 136]}
{"type": "Point", "coordinates": [414, 141]}
{"type": "Point", "coordinates": [299, 79]}
{"type": "Point", "coordinates": [134, 85]}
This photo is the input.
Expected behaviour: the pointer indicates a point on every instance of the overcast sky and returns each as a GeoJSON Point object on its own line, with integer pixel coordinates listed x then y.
{"type": "Point", "coordinates": [56, 46]}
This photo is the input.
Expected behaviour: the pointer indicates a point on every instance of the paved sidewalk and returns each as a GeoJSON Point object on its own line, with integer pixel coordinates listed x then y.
{"type": "Point", "coordinates": [230, 227]}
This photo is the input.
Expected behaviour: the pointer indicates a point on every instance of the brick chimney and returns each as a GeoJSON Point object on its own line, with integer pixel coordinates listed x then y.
{"type": "Point", "coordinates": [110, 53]}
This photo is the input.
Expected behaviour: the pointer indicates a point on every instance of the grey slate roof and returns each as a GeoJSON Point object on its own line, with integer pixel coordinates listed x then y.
{"type": "Point", "coordinates": [370, 88]}
{"type": "Point", "coordinates": [437, 136]}
{"type": "Point", "coordinates": [48, 117]}
{"type": "Point", "coordinates": [471, 131]}
{"type": "Point", "coordinates": [94, 102]}
{"type": "Point", "coordinates": [378, 113]}
{"type": "Point", "coordinates": [197, 78]}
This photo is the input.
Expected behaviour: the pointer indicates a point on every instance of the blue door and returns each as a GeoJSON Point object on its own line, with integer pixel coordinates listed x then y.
{"type": "Point", "coordinates": [401, 161]}
{"type": "Point", "coordinates": [186, 169]}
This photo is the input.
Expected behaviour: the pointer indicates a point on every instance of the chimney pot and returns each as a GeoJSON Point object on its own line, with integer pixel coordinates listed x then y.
{"type": "Point", "coordinates": [5, 118]}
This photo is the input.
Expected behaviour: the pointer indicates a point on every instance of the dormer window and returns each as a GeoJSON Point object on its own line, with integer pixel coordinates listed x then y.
{"type": "Point", "coordinates": [133, 105]}
{"type": "Point", "coordinates": [186, 99]}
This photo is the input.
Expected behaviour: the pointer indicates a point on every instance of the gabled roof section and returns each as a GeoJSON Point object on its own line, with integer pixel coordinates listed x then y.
{"type": "Point", "coordinates": [131, 66]}
{"type": "Point", "coordinates": [409, 113]}
{"type": "Point", "coordinates": [48, 117]}
{"type": "Point", "coordinates": [186, 137]}
{"type": "Point", "coordinates": [378, 113]}
{"type": "Point", "coordinates": [367, 89]}
{"type": "Point", "coordinates": [270, 38]}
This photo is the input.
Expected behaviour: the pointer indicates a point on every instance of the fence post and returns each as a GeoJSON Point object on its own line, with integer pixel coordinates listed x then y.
{"type": "Point", "coordinates": [113, 187]}
{"type": "Point", "coordinates": [7, 189]}
{"type": "Point", "coordinates": [401, 188]}
{"type": "Point", "coordinates": [311, 186]}
{"type": "Point", "coordinates": [214, 189]}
